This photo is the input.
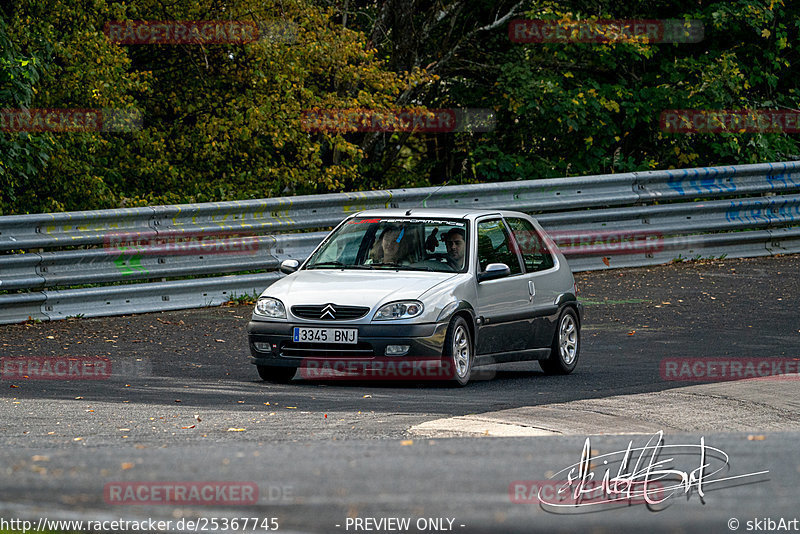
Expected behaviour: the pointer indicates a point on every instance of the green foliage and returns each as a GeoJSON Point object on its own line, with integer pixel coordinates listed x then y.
{"type": "Point", "coordinates": [584, 108]}
{"type": "Point", "coordinates": [224, 121]}
{"type": "Point", "coordinates": [220, 121]}
{"type": "Point", "coordinates": [22, 155]}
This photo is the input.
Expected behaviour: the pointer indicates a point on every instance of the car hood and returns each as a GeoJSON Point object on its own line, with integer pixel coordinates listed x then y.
{"type": "Point", "coordinates": [353, 287]}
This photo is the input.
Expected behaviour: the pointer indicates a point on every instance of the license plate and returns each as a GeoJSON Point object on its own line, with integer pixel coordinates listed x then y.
{"type": "Point", "coordinates": [325, 335]}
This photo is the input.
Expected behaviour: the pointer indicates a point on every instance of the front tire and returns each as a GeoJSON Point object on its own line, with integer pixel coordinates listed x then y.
{"type": "Point", "coordinates": [276, 375]}
{"type": "Point", "coordinates": [458, 352]}
{"type": "Point", "coordinates": [566, 345]}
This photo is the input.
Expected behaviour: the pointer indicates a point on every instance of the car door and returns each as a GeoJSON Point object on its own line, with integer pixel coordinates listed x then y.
{"type": "Point", "coordinates": [541, 277]}
{"type": "Point", "coordinates": [503, 305]}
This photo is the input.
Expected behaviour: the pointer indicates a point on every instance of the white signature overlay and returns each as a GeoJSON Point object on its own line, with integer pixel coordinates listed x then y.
{"type": "Point", "coordinates": [642, 475]}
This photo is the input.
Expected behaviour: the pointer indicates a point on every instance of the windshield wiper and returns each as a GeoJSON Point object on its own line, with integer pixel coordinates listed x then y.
{"type": "Point", "coordinates": [419, 268]}
{"type": "Point", "coordinates": [384, 264]}
{"type": "Point", "coordinates": [400, 266]}
{"type": "Point", "coordinates": [326, 264]}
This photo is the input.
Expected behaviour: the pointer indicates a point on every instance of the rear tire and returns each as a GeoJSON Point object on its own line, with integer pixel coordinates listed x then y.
{"type": "Point", "coordinates": [276, 375]}
{"type": "Point", "coordinates": [566, 345]}
{"type": "Point", "coordinates": [458, 352]}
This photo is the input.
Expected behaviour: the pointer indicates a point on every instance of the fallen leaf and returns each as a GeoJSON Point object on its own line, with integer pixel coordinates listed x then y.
{"type": "Point", "coordinates": [759, 437]}
{"type": "Point", "coordinates": [177, 400]}
{"type": "Point", "coordinates": [220, 340]}
{"type": "Point", "coordinates": [77, 439]}
{"type": "Point", "coordinates": [407, 442]}
{"type": "Point", "coordinates": [631, 332]}
{"type": "Point", "coordinates": [126, 465]}
{"type": "Point", "coordinates": [187, 427]}
{"type": "Point", "coordinates": [50, 337]}
{"type": "Point", "coordinates": [367, 396]}
{"type": "Point", "coordinates": [13, 386]}
{"type": "Point", "coordinates": [236, 429]}
{"type": "Point", "coordinates": [197, 418]}
{"type": "Point", "coordinates": [606, 261]}
{"type": "Point", "coordinates": [290, 407]}
{"type": "Point", "coordinates": [40, 458]}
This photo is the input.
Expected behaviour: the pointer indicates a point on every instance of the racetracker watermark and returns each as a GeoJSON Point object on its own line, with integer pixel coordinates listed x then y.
{"type": "Point", "coordinates": [197, 32]}
{"type": "Point", "coordinates": [729, 121]}
{"type": "Point", "coordinates": [55, 368]}
{"type": "Point", "coordinates": [588, 242]}
{"type": "Point", "coordinates": [726, 369]}
{"type": "Point", "coordinates": [181, 493]}
{"type": "Point", "coordinates": [402, 368]}
{"type": "Point", "coordinates": [175, 243]}
{"type": "Point", "coordinates": [404, 120]}
{"type": "Point", "coordinates": [606, 31]}
{"type": "Point", "coordinates": [565, 492]}
{"type": "Point", "coordinates": [70, 120]}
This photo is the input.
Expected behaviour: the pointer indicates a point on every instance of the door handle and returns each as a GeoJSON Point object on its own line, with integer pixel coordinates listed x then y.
{"type": "Point", "coordinates": [531, 289]}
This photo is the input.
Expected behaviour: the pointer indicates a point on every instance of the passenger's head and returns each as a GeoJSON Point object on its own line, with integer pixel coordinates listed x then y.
{"type": "Point", "coordinates": [392, 245]}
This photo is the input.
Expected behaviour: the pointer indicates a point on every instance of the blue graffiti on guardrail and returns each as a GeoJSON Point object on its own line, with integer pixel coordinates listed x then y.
{"type": "Point", "coordinates": [683, 183]}
{"type": "Point", "coordinates": [787, 180]}
{"type": "Point", "coordinates": [680, 182]}
{"type": "Point", "coordinates": [763, 211]}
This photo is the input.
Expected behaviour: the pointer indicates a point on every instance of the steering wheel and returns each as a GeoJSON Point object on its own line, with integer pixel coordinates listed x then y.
{"type": "Point", "coordinates": [440, 257]}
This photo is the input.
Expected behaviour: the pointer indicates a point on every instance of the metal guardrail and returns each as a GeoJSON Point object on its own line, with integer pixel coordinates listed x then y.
{"type": "Point", "coordinates": [737, 211]}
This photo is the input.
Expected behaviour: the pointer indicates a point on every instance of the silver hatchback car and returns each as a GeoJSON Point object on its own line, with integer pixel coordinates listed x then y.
{"type": "Point", "coordinates": [420, 294]}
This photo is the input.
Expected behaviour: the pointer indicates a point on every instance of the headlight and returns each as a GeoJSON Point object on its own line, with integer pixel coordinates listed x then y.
{"type": "Point", "coordinates": [270, 308]}
{"type": "Point", "coordinates": [398, 310]}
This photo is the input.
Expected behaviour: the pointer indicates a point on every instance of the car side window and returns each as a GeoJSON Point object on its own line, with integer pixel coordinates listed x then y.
{"type": "Point", "coordinates": [535, 254]}
{"type": "Point", "coordinates": [494, 246]}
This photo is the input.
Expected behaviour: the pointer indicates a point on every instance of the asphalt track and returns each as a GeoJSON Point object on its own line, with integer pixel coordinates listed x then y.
{"type": "Point", "coordinates": [182, 403]}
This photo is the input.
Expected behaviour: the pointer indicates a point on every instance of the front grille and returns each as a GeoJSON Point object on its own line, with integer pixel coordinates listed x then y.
{"type": "Point", "coordinates": [330, 312]}
{"type": "Point", "coordinates": [290, 349]}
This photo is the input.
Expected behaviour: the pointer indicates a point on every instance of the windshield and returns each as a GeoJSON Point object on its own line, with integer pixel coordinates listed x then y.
{"type": "Point", "coordinates": [395, 243]}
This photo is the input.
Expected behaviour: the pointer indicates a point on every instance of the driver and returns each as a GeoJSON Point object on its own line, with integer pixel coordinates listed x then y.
{"type": "Point", "coordinates": [456, 248]}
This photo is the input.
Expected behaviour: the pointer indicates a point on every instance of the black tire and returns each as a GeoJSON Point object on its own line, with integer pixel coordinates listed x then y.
{"type": "Point", "coordinates": [276, 375]}
{"type": "Point", "coordinates": [566, 346]}
{"type": "Point", "coordinates": [458, 352]}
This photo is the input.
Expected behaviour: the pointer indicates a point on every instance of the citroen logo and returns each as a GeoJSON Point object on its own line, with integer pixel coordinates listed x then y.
{"type": "Point", "coordinates": [328, 311]}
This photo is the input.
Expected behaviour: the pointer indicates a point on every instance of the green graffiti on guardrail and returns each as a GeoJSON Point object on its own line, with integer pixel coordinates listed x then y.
{"type": "Point", "coordinates": [130, 266]}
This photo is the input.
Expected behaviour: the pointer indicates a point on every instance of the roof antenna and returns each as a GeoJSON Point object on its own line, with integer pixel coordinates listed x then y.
{"type": "Point", "coordinates": [424, 200]}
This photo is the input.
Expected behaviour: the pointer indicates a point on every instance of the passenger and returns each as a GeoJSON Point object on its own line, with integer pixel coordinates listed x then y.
{"type": "Point", "coordinates": [393, 246]}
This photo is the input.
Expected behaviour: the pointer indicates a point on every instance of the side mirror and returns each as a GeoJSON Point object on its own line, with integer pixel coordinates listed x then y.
{"type": "Point", "coordinates": [289, 266]}
{"type": "Point", "coordinates": [494, 271]}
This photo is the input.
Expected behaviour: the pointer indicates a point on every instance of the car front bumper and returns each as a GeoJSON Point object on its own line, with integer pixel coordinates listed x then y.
{"type": "Point", "coordinates": [276, 347]}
